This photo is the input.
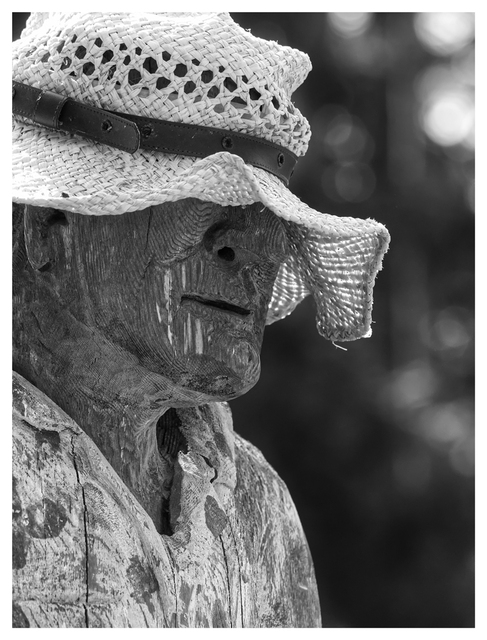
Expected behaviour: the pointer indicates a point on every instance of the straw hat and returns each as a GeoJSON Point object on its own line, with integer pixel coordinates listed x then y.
{"type": "Point", "coordinates": [244, 136]}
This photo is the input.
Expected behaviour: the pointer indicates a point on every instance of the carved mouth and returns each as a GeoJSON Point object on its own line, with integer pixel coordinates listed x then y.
{"type": "Point", "coordinates": [222, 305]}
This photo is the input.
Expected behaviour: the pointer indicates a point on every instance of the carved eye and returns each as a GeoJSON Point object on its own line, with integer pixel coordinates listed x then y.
{"type": "Point", "coordinates": [227, 254]}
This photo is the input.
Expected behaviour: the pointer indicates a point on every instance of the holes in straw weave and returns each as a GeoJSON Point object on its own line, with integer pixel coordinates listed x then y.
{"type": "Point", "coordinates": [238, 103]}
{"type": "Point", "coordinates": [180, 70]}
{"type": "Point", "coordinates": [229, 84]}
{"type": "Point", "coordinates": [138, 51]}
{"type": "Point", "coordinates": [74, 38]}
{"type": "Point", "coordinates": [213, 92]}
{"type": "Point", "coordinates": [88, 68]}
{"type": "Point", "coordinates": [245, 101]}
{"type": "Point", "coordinates": [134, 77]}
{"type": "Point", "coordinates": [150, 65]}
{"type": "Point", "coordinates": [162, 83]}
{"type": "Point", "coordinates": [107, 56]}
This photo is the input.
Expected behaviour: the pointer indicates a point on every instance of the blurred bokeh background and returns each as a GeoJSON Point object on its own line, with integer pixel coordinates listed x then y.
{"type": "Point", "coordinates": [376, 443]}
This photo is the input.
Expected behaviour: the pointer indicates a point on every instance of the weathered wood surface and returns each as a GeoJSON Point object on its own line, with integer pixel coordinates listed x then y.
{"type": "Point", "coordinates": [117, 318]}
{"type": "Point", "coordinates": [87, 554]}
{"type": "Point", "coordinates": [142, 508]}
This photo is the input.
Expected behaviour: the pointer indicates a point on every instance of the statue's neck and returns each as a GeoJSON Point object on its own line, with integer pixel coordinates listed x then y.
{"type": "Point", "coordinates": [106, 391]}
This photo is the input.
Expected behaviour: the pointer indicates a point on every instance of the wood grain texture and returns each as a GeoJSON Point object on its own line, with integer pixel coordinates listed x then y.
{"type": "Point", "coordinates": [119, 318]}
{"type": "Point", "coordinates": [87, 555]}
{"type": "Point", "coordinates": [135, 503]}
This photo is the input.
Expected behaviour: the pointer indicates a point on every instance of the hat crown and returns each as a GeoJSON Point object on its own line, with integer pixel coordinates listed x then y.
{"type": "Point", "coordinates": [197, 68]}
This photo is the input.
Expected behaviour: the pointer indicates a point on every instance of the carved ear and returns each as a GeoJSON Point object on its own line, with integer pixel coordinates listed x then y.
{"type": "Point", "coordinates": [38, 223]}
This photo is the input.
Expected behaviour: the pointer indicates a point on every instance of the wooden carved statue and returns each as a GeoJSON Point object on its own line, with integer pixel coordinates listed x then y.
{"type": "Point", "coordinates": [154, 238]}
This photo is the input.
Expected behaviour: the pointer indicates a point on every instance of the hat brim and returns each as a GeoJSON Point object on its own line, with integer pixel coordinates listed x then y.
{"type": "Point", "coordinates": [333, 258]}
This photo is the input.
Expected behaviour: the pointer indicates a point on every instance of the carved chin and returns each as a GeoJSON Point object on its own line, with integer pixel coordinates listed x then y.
{"type": "Point", "coordinates": [215, 350]}
{"type": "Point", "coordinates": [223, 380]}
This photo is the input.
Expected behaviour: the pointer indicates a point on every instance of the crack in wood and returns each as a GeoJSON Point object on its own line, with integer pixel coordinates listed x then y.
{"type": "Point", "coordinates": [37, 322]}
{"type": "Point", "coordinates": [172, 566]}
{"type": "Point", "coordinates": [227, 573]}
{"type": "Point", "coordinates": [240, 579]}
{"type": "Point", "coordinates": [149, 223]}
{"type": "Point", "coordinates": [85, 525]}
{"type": "Point", "coordinates": [146, 268]}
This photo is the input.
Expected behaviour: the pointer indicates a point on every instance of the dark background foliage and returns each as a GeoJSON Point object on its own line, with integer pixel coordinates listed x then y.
{"type": "Point", "coordinates": [376, 442]}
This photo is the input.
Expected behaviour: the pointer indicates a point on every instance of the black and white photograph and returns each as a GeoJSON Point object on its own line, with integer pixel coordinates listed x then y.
{"type": "Point", "coordinates": [243, 319]}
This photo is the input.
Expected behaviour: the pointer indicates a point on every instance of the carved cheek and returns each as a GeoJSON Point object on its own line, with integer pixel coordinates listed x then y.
{"type": "Point", "coordinates": [205, 315]}
{"type": "Point", "coordinates": [185, 334]}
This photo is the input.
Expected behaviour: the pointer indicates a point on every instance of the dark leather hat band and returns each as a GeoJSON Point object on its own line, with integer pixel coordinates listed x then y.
{"type": "Point", "coordinates": [130, 133]}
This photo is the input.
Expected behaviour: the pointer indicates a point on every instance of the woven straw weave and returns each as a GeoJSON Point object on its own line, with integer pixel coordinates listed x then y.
{"type": "Point", "coordinates": [200, 69]}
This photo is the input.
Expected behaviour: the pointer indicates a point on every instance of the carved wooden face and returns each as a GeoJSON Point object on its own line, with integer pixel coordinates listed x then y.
{"type": "Point", "coordinates": [182, 287]}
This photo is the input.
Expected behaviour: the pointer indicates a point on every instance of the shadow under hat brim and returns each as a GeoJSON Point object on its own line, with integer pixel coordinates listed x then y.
{"type": "Point", "coordinates": [335, 259]}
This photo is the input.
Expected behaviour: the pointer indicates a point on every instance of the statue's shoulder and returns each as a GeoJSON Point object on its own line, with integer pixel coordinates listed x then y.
{"type": "Point", "coordinates": [87, 554]}
{"type": "Point", "coordinates": [275, 543]}
{"type": "Point", "coordinates": [84, 552]}
{"type": "Point", "coordinates": [260, 488]}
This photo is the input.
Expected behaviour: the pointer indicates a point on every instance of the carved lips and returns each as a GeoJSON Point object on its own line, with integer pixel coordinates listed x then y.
{"type": "Point", "coordinates": [220, 305]}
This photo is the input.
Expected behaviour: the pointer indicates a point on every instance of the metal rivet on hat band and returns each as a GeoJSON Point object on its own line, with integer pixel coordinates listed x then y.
{"type": "Point", "coordinates": [146, 130]}
{"type": "Point", "coordinates": [198, 141]}
{"type": "Point", "coordinates": [129, 132]}
{"type": "Point", "coordinates": [61, 113]}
